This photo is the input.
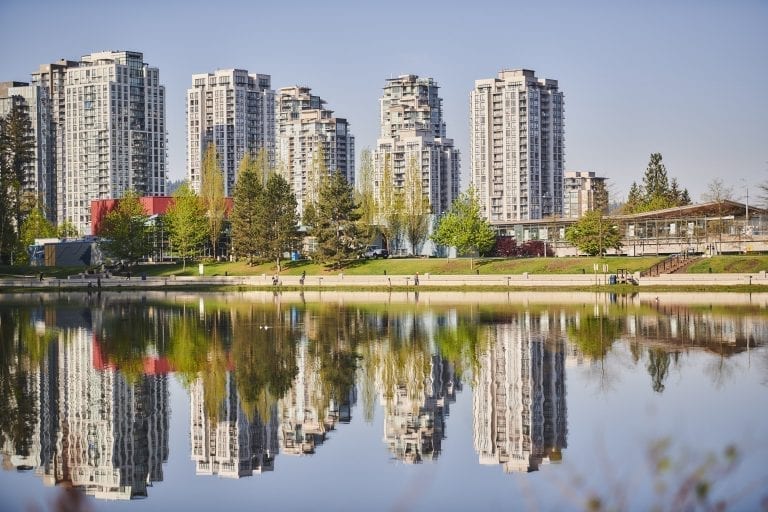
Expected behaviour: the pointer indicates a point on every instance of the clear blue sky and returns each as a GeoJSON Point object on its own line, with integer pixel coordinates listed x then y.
{"type": "Point", "coordinates": [688, 79]}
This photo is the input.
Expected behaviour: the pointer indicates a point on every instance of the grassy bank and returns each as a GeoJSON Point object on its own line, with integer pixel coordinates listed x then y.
{"type": "Point", "coordinates": [434, 266]}
{"type": "Point", "coordinates": [409, 266]}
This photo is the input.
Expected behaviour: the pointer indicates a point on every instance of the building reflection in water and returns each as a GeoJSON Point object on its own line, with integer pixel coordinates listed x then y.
{"type": "Point", "coordinates": [307, 414]}
{"type": "Point", "coordinates": [415, 415]}
{"type": "Point", "coordinates": [231, 443]}
{"type": "Point", "coordinates": [415, 385]}
{"type": "Point", "coordinates": [92, 428]}
{"type": "Point", "coordinates": [519, 404]}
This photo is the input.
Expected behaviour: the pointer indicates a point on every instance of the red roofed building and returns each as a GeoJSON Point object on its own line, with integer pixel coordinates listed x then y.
{"type": "Point", "coordinates": [154, 206]}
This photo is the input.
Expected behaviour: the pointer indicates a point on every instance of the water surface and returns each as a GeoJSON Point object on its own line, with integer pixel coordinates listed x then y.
{"type": "Point", "coordinates": [542, 401]}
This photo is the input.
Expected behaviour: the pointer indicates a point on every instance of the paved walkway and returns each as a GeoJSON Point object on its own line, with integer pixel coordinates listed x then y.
{"type": "Point", "coordinates": [426, 281]}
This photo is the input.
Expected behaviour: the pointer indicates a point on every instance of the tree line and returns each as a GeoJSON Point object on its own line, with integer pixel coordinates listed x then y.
{"type": "Point", "coordinates": [264, 223]}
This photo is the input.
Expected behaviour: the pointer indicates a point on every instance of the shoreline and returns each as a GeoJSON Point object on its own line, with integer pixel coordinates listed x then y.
{"type": "Point", "coordinates": [747, 282]}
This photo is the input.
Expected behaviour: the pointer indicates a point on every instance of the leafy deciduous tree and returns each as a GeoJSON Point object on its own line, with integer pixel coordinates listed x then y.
{"type": "Point", "coordinates": [212, 194]}
{"type": "Point", "coordinates": [187, 225]}
{"type": "Point", "coordinates": [124, 230]}
{"type": "Point", "coordinates": [35, 226]}
{"type": "Point", "coordinates": [316, 173]}
{"type": "Point", "coordinates": [593, 235]}
{"type": "Point", "coordinates": [390, 207]}
{"type": "Point", "coordinates": [366, 199]}
{"type": "Point", "coordinates": [417, 210]}
{"type": "Point", "coordinates": [67, 230]}
{"type": "Point", "coordinates": [464, 228]}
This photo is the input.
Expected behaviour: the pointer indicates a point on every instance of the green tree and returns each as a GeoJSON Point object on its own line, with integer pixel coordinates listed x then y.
{"type": "Point", "coordinates": [390, 207]}
{"type": "Point", "coordinates": [679, 197]}
{"type": "Point", "coordinates": [656, 192]}
{"type": "Point", "coordinates": [266, 359]}
{"type": "Point", "coordinates": [335, 224]}
{"type": "Point", "coordinates": [316, 173]}
{"type": "Point", "coordinates": [417, 210]}
{"type": "Point", "coordinates": [280, 219]}
{"type": "Point", "coordinates": [212, 194]}
{"type": "Point", "coordinates": [67, 230]}
{"type": "Point", "coordinates": [634, 199]}
{"type": "Point", "coordinates": [16, 157]}
{"type": "Point", "coordinates": [35, 226]}
{"type": "Point", "coordinates": [261, 166]}
{"type": "Point", "coordinates": [464, 228]}
{"type": "Point", "coordinates": [601, 197]}
{"type": "Point", "coordinates": [655, 180]}
{"type": "Point", "coordinates": [593, 234]}
{"type": "Point", "coordinates": [246, 211]}
{"type": "Point", "coordinates": [186, 222]}
{"type": "Point", "coordinates": [124, 231]}
{"type": "Point", "coordinates": [366, 199]}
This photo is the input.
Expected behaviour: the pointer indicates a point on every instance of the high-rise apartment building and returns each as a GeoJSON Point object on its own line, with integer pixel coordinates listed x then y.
{"type": "Point", "coordinates": [52, 78]}
{"type": "Point", "coordinates": [517, 146]}
{"type": "Point", "coordinates": [582, 192]}
{"type": "Point", "coordinates": [235, 111]}
{"type": "Point", "coordinates": [114, 133]}
{"type": "Point", "coordinates": [413, 131]}
{"type": "Point", "coordinates": [38, 180]}
{"type": "Point", "coordinates": [304, 129]}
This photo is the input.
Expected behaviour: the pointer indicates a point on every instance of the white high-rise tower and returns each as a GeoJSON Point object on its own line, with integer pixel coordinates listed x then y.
{"type": "Point", "coordinates": [233, 110]}
{"type": "Point", "coordinates": [413, 130]}
{"type": "Point", "coordinates": [114, 130]}
{"type": "Point", "coordinates": [304, 127]}
{"type": "Point", "coordinates": [517, 146]}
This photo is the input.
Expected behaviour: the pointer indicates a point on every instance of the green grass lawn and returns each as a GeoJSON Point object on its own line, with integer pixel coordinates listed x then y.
{"type": "Point", "coordinates": [408, 266]}
{"type": "Point", "coordinates": [730, 264]}
{"type": "Point", "coordinates": [435, 266]}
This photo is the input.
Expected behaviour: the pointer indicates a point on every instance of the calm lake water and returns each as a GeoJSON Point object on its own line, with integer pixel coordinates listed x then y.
{"type": "Point", "coordinates": [365, 401]}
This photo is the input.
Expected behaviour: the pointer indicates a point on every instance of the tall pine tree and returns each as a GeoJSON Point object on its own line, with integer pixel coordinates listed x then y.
{"type": "Point", "coordinates": [17, 155]}
{"type": "Point", "coordinates": [656, 192]}
{"type": "Point", "coordinates": [246, 211]}
{"type": "Point", "coordinates": [280, 219]}
{"type": "Point", "coordinates": [336, 221]}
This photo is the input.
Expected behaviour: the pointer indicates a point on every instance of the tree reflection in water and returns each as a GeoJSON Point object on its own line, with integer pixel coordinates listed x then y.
{"type": "Point", "coordinates": [276, 377]}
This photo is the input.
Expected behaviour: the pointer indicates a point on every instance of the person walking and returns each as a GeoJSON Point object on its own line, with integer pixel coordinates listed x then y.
{"type": "Point", "coordinates": [416, 279]}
